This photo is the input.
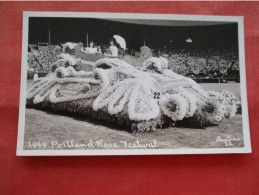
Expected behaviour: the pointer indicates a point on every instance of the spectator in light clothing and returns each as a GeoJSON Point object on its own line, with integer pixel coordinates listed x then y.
{"type": "Point", "coordinates": [91, 49]}
{"type": "Point", "coordinates": [35, 76]}
{"type": "Point", "coordinates": [113, 49]}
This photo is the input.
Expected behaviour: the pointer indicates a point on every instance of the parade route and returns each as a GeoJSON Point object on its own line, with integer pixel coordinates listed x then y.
{"type": "Point", "coordinates": [65, 132]}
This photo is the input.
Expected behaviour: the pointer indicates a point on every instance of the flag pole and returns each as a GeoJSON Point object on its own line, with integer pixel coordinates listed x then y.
{"type": "Point", "coordinates": [49, 35]}
{"type": "Point", "coordinates": [87, 39]}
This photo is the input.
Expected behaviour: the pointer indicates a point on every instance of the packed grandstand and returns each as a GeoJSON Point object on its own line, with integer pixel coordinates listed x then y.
{"type": "Point", "coordinates": [202, 65]}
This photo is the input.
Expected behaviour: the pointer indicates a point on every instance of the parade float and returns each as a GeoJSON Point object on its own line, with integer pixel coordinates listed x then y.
{"type": "Point", "coordinates": [139, 98]}
{"type": "Point", "coordinates": [136, 99]}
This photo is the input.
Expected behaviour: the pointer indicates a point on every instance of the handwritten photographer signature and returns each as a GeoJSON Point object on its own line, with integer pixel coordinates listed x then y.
{"type": "Point", "coordinates": [227, 140]}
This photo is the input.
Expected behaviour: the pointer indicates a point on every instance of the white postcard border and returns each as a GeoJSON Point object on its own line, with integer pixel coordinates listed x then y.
{"type": "Point", "coordinates": [21, 125]}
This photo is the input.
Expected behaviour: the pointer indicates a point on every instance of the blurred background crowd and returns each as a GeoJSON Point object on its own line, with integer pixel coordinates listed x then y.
{"type": "Point", "coordinates": [204, 51]}
{"type": "Point", "coordinates": [196, 64]}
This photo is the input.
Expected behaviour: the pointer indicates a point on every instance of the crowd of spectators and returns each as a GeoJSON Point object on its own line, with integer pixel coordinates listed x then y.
{"type": "Point", "coordinates": [41, 61]}
{"type": "Point", "coordinates": [193, 63]}
{"type": "Point", "coordinates": [204, 63]}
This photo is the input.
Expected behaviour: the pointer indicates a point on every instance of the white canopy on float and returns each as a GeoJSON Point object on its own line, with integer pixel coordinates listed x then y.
{"type": "Point", "coordinates": [121, 41]}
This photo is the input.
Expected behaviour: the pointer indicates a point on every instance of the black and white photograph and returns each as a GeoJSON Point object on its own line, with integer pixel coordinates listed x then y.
{"type": "Point", "coordinates": [132, 84]}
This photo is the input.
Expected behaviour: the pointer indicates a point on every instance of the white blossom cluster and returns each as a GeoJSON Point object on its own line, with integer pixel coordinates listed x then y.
{"type": "Point", "coordinates": [68, 45]}
{"type": "Point", "coordinates": [156, 64]}
{"type": "Point", "coordinates": [68, 58]}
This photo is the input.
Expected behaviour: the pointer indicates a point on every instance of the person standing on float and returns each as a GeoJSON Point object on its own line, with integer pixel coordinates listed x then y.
{"type": "Point", "coordinates": [113, 49]}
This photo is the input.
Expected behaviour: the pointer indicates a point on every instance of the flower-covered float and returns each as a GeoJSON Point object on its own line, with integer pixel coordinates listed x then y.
{"type": "Point", "coordinates": [139, 99]}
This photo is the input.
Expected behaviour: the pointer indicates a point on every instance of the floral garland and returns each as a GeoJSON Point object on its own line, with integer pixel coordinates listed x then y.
{"type": "Point", "coordinates": [103, 76]}
{"type": "Point", "coordinates": [61, 72]}
{"type": "Point", "coordinates": [164, 62]}
{"type": "Point", "coordinates": [141, 106]}
{"type": "Point", "coordinates": [68, 58]}
{"type": "Point", "coordinates": [190, 99]}
{"type": "Point", "coordinates": [231, 104]}
{"type": "Point", "coordinates": [172, 75]}
{"type": "Point", "coordinates": [200, 93]}
{"type": "Point", "coordinates": [157, 64]}
{"type": "Point", "coordinates": [45, 86]}
{"type": "Point", "coordinates": [43, 94]}
{"type": "Point", "coordinates": [129, 92]}
{"type": "Point", "coordinates": [79, 80]}
{"type": "Point", "coordinates": [39, 86]}
{"type": "Point", "coordinates": [72, 89]}
{"type": "Point", "coordinates": [113, 62]}
{"type": "Point", "coordinates": [152, 63]}
{"type": "Point", "coordinates": [174, 106]}
{"type": "Point", "coordinates": [112, 109]}
{"type": "Point", "coordinates": [217, 102]}
{"type": "Point", "coordinates": [109, 94]}
{"type": "Point", "coordinates": [54, 99]}
{"type": "Point", "coordinates": [169, 86]}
